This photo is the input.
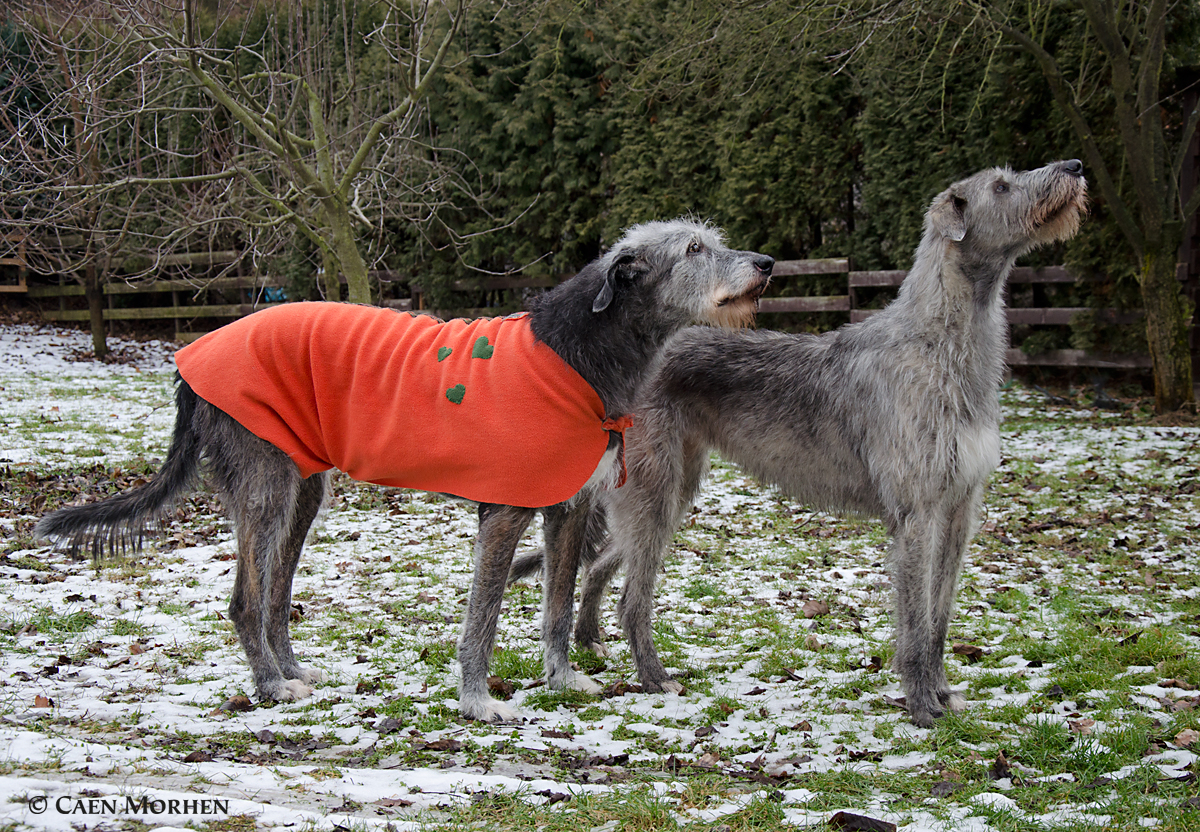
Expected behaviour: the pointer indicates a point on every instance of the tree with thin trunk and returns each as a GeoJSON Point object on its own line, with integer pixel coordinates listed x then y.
{"type": "Point", "coordinates": [265, 121]}
{"type": "Point", "coordinates": [1130, 41]}
{"type": "Point", "coordinates": [1109, 57]}
{"type": "Point", "coordinates": [83, 123]}
{"type": "Point", "coordinates": [323, 137]}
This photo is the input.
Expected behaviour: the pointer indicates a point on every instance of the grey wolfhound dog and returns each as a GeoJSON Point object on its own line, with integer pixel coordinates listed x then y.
{"type": "Point", "coordinates": [894, 417]}
{"type": "Point", "coordinates": [607, 323]}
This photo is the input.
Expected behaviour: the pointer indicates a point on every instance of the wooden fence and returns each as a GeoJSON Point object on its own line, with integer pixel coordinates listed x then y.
{"type": "Point", "coordinates": [857, 281]}
{"type": "Point", "coordinates": [181, 300]}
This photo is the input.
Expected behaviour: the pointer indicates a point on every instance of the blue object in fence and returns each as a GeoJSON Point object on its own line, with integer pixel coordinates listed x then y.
{"type": "Point", "coordinates": [273, 294]}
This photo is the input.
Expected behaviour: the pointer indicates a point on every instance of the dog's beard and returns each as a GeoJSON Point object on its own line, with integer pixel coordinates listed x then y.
{"type": "Point", "coordinates": [737, 313]}
{"type": "Point", "coordinates": [1062, 222]}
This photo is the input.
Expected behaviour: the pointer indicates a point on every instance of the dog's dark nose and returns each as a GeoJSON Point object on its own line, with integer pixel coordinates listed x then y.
{"type": "Point", "coordinates": [1074, 167]}
{"type": "Point", "coordinates": [764, 264]}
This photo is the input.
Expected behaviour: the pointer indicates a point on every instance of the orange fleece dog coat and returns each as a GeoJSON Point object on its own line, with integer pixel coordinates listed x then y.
{"type": "Point", "coordinates": [478, 409]}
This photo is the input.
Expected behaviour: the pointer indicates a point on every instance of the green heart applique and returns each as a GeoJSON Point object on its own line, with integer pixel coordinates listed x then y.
{"type": "Point", "coordinates": [456, 393]}
{"type": "Point", "coordinates": [444, 353]}
{"type": "Point", "coordinates": [482, 349]}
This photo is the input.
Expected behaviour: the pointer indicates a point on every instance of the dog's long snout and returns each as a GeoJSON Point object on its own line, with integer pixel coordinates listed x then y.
{"type": "Point", "coordinates": [1073, 167]}
{"type": "Point", "coordinates": [764, 264]}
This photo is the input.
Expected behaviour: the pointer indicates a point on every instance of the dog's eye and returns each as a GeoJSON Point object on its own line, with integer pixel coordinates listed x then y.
{"type": "Point", "coordinates": [1001, 188]}
{"type": "Point", "coordinates": [694, 247]}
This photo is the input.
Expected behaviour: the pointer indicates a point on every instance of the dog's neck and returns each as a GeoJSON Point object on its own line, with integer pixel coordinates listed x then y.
{"type": "Point", "coordinates": [611, 349]}
{"type": "Point", "coordinates": [959, 300]}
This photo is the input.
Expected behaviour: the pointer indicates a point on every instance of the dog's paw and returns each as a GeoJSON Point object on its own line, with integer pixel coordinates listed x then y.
{"type": "Point", "coordinates": [487, 709]}
{"type": "Point", "coordinates": [308, 675]}
{"type": "Point", "coordinates": [665, 685]}
{"type": "Point", "coordinates": [599, 649]}
{"type": "Point", "coordinates": [570, 679]}
{"type": "Point", "coordinates": [954, 701]}
{"type": "Point", "coordinates": [285, 690]}
{"type": "Point", "coordinates": [924, 711]}
{"type": "Point", "coordinates": [922, 718]}
{"type": "Point", "coordinates": [579, 681]}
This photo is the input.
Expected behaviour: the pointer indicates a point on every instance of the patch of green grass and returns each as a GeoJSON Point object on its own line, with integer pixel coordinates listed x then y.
{"type": "Point", "coordinates": [700, 588]}
{"type": "Point", "coordinates": [47, 620]}
{"type": "Point", "coordinates": [233, 823]}
{"type": "Point", "coordinates": [437, 655]}
{"type": "Point", "coordinates": [1008, 682]}
{"type": "Point", "coordinates": [29, 562]}
{"type": "Point", "coordinates": [956, 729]}
{"type": "Point", "coordinates": [514, 664]}
{"type": "Point", "coordinates": [125, 627]}
{"type": "Point", "coordinates": [587, 661]}
{"type": "Point", "coordinates": [1010, 601]}
{"type": "Point", "coordinates": [544, 699]}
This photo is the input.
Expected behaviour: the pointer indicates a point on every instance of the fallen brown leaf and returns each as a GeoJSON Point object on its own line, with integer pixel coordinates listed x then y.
{"type": "Point", "coordinates": [968, 651]}
{"type": "Point", "coordinates": [1186, 737]}
{"type": "Point", "coordinates": [849, 820]}
{"type": "Point", "coordinates": [1083, 727]}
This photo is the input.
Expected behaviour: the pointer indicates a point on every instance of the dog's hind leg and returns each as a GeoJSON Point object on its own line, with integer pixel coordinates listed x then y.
{"type": "Point", "coordinates": [500, 530]}
{"type": "Point", "coordinates": [261, 532]}
{"type": "Point", "coordinates": [309, 497]}
{"type": "Point", "coordinates": [258, 486]}
{"type": "Point", "coordinates": [596, 579]}
{"type": "Point", "coordinates": [566, 534]}
{"type": "Point", "coordinates": [600, 564]}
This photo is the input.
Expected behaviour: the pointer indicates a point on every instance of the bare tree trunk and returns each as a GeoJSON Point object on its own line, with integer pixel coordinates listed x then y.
{"type": "Point", "coordinates": [93, 289]}
{"type": "Point", "coordinates": [1168, 314]}
{"type": "Point", "coordinates": [328, 282]}
{"type": "Point", "coordinates": [1133, 43]}
{"type": "Point", "coordinates": [348, 256]}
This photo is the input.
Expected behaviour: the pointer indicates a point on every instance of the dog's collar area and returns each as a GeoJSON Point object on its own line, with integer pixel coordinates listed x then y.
{"type": "Point", "coordinates": [618, 426]}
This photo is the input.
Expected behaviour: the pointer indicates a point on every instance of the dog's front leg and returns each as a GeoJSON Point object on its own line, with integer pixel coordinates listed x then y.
{"type": "Point", "coordinates": [500, 530]}
{"type": "Point", "coordinates": [566, 536]}
{"type": "Point", "coordinates": [916, 544]}
{"type": "Point", "coordinates": [961, 521]}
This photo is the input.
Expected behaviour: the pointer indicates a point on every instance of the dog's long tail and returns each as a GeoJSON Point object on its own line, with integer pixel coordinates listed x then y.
{"type": "Point", "coordinates": [526, 564]}
{"type": "Point", "coordinates": [119, 523]}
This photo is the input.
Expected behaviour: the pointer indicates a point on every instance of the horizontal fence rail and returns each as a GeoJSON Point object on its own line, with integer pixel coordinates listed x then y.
{"type": "Point", "coordinates": [260, 292]}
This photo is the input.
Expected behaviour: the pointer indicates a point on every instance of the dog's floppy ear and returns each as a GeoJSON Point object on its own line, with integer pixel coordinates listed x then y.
{"type": "Point", "coordinates": [946, 216]}
{"type": "Point", "coordinates": [622, 267]}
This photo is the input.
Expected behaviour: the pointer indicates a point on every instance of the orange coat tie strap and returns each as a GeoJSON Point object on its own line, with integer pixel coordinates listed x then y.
{"type": "Point", "coordinates": [619, 426]}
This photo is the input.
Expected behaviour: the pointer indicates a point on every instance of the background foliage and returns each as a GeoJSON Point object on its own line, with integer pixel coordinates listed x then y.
{"type": "Point", "coordinates": [568, 121]}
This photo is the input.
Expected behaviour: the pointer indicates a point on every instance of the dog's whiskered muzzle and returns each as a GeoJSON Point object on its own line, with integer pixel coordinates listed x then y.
{"type": "Point", "coordinates": [753, 294]}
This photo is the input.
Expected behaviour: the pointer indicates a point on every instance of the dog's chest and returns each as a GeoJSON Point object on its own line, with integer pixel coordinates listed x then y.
{"type": "Point", "coordinates": [977, 451]}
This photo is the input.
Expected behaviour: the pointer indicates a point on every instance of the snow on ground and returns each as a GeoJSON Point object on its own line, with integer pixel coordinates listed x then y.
{"type": "Point", "coordinates": [111, 681]}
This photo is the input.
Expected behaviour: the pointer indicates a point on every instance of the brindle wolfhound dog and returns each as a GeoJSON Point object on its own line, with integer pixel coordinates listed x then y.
{"type": "Point", "coordinates": [607, 324]}
{"type": "Point", "coordinates": [894, 417]}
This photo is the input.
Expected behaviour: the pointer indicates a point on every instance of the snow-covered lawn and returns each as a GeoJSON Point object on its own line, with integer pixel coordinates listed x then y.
{"type": "Point", "coordinates": [1077, 632]}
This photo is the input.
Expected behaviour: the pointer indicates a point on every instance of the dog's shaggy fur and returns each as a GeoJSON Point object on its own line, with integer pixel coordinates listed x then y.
{"type": "Point", "coordinates": [894, 417]}
{"type": "Point", "coordinates": [607, 323]}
